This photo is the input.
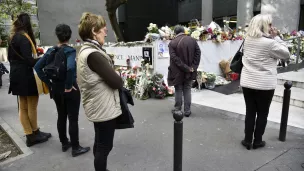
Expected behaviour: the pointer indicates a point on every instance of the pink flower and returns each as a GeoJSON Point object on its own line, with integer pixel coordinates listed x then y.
{"type": "Point", "coordinates": [210, 31]}
{"type": "Point", "coordinates": [294, 33]}
{"type": "Point", "coordinates": [153, 88]}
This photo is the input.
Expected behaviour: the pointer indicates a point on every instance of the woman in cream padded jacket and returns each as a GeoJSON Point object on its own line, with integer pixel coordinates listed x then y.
{"type": "Point", "coordinates": [262, 49]}
{"type": "Point", "coordinates": [99, 85]}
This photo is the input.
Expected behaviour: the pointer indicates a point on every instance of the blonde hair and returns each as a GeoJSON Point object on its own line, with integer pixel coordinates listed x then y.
{"type": "Point", "coordinates": [259, 25]}
{"type": "Point", "coordinates": [88, 21]}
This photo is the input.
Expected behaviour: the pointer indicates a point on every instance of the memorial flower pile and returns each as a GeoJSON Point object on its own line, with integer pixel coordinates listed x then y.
{"type": "Point", "coordinates": [212, 32]}
{"type": "Point", "coordinates": [143, 84]}
{"type": "Point", "coordinates": [293, 44]}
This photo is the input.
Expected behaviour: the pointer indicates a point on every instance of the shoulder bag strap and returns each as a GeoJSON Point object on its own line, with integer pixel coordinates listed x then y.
{"type": "Point", "coordinates": [241, 49]}
{"type": "Point", "coordinates": [180, 41]}
{"type": "Point", "coordinates": [16, 51]}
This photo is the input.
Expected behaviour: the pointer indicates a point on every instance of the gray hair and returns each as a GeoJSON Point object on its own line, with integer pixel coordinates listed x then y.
{"type": "Point", "coordinates": [179, 29]}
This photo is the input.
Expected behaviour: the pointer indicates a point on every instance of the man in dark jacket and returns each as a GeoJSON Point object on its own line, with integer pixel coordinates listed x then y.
{"type": "Point", "coordinates": [185, 56]}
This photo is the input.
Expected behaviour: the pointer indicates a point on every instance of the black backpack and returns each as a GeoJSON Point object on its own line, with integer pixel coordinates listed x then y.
{"type": "Point", "coordinates": [56, 65]}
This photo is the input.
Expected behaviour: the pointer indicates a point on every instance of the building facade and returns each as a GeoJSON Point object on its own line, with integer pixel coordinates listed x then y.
{"type": "Point", "coordinates": [54, 12]}
{"type": "Point", "coordinates": [135, 16]}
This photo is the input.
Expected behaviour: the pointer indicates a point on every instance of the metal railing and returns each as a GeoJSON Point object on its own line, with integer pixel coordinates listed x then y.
{"type": "Point", "coordinates": [299, 39]}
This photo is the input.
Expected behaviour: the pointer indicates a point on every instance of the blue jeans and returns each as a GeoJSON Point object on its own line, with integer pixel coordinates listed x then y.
{"type": "Point", "coordinates": [180, 91]}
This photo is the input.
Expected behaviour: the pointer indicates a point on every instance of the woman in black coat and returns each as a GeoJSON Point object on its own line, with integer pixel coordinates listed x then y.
{"type": "Point", "coordinates": [22, 79]}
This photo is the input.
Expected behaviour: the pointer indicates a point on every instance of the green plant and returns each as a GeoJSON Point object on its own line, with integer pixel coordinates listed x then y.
{"type": "Point", "coordinates": [11, 8]}
{"type": "Point", "coordinates": [131, 82]}
{"type": "Point", "coordinates": [3, 35]}
{"type": "Point", "coordinates": [211, 77]}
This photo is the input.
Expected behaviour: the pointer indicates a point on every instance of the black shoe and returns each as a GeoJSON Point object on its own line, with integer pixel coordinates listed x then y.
{"type": "Point", "coordinates": [187, 114]}
{"type": "Point", "coordinates": [246, 144]}
{"type": "Point", "coordinates": [47, 135]}
{"type": "Point", "coordinates": [80, 150]}
{"type": "Point", "coordinates": [66, 146]}
{"type": "Point", "coordinates": [259, 145]}
{"type": "Point", "coordinates": [33, 139]}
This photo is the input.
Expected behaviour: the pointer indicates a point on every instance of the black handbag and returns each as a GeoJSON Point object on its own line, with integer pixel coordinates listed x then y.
{"type": "Point", "coordinates": [236, 63]}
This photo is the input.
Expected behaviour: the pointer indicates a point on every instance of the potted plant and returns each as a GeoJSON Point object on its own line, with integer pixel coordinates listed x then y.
{"type": "Point", "coordinates": [210, 80]}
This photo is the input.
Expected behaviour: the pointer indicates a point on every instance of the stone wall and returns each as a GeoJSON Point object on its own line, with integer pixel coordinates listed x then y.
{"type": "Point", "coordinates": [244, 12]}
{"type": "Point", "coordinates": [53, 12]}
{"type": "Point", "coordinates": [189, 9]}
{"type": "Point", "coordinates": [287, 14]}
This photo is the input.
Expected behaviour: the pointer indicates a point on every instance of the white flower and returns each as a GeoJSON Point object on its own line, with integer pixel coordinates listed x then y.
{"type": "Point", "coordinates": [151, 26]}
{"type": "Point", "coordinates": [196, 34]}
{"type": "Point", "coordinates": [201, 29]}
{"type": "Point", "coordinates": [162, 33]}
{"type": "Point", "coordinates": [187, 30]}
{"type": "Point", "coordinates": [219, 38]}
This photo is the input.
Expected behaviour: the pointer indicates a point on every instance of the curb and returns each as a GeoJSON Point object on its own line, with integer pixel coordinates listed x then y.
{"type": "Point", "coordinates": [270, 124]}
{"type": "Point", "coordinates": [239, 116]}
{"type": "Point", "coordinates": [18, 142]}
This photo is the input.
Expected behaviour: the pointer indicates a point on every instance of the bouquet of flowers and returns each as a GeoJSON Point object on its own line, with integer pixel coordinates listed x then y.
{"type": "Point", "coordinates": [131, 81]}
{"type": "Point", "coordinates": [157, 88]}
{"type": "Point", "coordinates": [210, 80]}
{"type": "Point", "coordinates": [153, 28]}
{"type": "Point", "coordinates": [166, 33]}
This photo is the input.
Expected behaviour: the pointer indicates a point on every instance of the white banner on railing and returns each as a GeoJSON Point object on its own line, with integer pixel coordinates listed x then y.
{"type": "Point", "coordinates": [122, 54]}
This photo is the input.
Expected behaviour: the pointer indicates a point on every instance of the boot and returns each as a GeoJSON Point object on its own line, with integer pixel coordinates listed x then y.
{"type": "Point", "coordinates": [66, 146]}
{"type": "Point", "coordinates": [79, 150]}
{"type": "Point", "coordinates": [47, 135]}
{"type": "Point", "coordinates": [246, 144]}
{"type": "Point", "coordinates": [257, 145]}
{"type": "Point", "coordinates": [33, 139]}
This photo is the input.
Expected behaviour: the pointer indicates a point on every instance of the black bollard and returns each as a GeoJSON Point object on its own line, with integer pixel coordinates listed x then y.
{"type": "Point", "coordinates": [285, 111]}
{"type": "Point", "coordinates": [178, 141]}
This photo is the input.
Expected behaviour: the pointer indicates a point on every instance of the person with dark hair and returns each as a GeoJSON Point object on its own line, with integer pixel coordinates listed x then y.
{"type": "Point", "coordinates": [185, 56]}
{"type": "Point", "coordinates": [179, 29]}
{"type": "Point", "coordinates": [22, 55]}
{"type": "Point", "coordinates": [65, 93]}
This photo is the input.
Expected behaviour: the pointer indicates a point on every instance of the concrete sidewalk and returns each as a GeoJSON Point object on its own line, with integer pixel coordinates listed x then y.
{"type": "Point", "coordinates": [211, 142]}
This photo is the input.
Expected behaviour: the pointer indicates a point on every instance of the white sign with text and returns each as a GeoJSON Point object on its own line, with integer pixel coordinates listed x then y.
{"type": "Point", "coordinates": [122, 54]}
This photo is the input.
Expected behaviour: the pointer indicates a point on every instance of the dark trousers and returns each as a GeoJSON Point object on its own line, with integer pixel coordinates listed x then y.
{"type": "Point", "coordinates": [68, 108]}
{"type": "Point", "coordinates": [104, 136]}
{"type": "Point", "coordinates": [180, 91]}
{"type": "Point", "coordinates": [257, 109]}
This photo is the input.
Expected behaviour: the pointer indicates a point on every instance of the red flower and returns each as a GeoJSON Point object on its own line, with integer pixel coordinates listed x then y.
{"type": "Point", "coordinates": [210, 31]}
{"type": "Point", "coordinates": [40, 50]}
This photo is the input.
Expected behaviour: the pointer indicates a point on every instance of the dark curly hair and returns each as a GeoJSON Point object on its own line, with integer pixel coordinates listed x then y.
{"type": "Point", "coordinates": [23, 24]}
{"type": "Point", "coordinates": [63, 33]}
